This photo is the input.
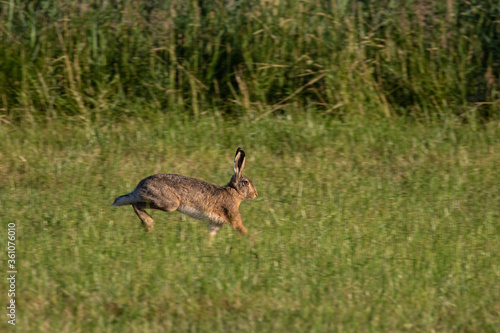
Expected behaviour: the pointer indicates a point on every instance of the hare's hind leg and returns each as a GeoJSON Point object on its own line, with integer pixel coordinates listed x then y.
{"type": "Point", "coordinates": [166, 204]}
{"type": "Point", "coordinates": [147, 221]}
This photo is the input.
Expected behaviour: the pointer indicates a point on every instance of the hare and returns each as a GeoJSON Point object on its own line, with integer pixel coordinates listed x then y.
{"type": "Point", "coordinates": [193, 197]}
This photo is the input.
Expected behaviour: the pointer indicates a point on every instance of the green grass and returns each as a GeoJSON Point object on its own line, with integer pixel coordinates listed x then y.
{"type": "Point", "coordinates": [389, 226]}
{"type": "Point", "coordinates": [372, 135]}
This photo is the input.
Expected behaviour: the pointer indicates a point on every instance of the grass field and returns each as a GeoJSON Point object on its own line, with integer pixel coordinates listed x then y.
{"type": "Point", "coordinates": [372, 135]}
{"type": "Point", "coordinates": [388, 226]}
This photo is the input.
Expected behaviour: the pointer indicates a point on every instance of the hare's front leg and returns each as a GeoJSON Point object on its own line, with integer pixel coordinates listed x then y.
{"type": "Point", "coordinates": [213, 229]}
{"type": "Point", "coordinates": [237, 223]}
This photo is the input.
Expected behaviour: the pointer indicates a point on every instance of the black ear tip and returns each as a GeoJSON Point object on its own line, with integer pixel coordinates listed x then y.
{"type": "Point", "coordinates": [239, 150]}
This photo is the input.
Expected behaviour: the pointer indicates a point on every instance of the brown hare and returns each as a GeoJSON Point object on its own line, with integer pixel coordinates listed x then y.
{"type": "Point", "coordinates": [193, 197]}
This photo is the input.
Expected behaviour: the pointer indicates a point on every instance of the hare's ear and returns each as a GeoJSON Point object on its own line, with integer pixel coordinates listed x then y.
{"type": "Point", "coordinates": [239, 162]}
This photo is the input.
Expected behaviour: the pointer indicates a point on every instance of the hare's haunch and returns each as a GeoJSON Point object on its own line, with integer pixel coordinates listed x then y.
{"type": "Point", "coordinates": [214, 204]}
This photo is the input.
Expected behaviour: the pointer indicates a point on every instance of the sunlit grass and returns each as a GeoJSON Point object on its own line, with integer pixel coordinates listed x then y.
{"type": "Point", "coordinates": [357, 227]}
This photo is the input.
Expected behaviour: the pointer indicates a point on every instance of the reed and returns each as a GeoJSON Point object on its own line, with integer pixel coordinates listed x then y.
{"type": "Point", "coordinates": [383, 58]}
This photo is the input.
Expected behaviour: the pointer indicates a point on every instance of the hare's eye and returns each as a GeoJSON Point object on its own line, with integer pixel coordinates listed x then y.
{"type": "Point", "coordinates": [245, 182]}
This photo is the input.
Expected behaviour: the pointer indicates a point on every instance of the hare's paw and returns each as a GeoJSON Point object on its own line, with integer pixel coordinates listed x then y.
{"type": "Point", "coordinates": [148, 225]}
{"type": "Point", "coordinates": [147, 221]}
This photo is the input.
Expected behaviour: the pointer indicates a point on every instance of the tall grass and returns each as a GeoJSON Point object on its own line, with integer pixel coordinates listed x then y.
{"type": "Point", "coordinates": [423, 58]}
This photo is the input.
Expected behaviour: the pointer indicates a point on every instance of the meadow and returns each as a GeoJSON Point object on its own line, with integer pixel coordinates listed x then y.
{"type": "Point", "coordinates": [358, 227]}
{"type": "Point", "coordinates": [372, 134]}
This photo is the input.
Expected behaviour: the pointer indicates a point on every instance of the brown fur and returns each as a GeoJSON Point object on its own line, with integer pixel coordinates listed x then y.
{"type": "Point", "coordinates": [194, 197]}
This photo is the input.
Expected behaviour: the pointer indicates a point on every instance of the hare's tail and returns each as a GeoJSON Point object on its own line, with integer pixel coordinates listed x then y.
{"type": "Point", "coordinates": [126, 199]}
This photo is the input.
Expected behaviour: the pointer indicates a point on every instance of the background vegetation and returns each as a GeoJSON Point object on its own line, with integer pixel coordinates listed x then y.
{"type": "Point", "coordinates": [380, 58]}
{"type": "Point", "coordinates": [372, 135]}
